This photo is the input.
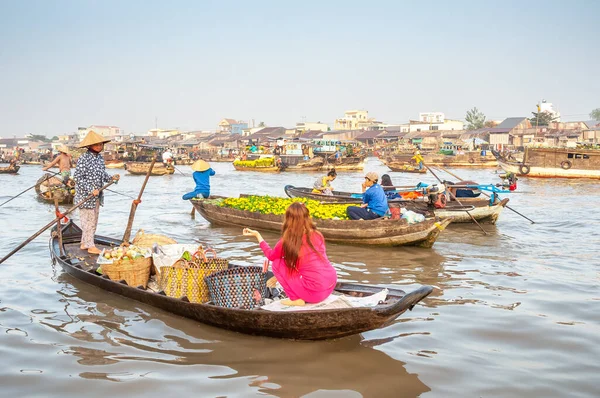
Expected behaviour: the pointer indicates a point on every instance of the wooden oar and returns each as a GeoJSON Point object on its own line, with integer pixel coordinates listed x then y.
{"type": "Point", "coordinates": [135, 204]}
{"type": "Point", "coordinates": [182, 173]}
{"type": "Point", "coordinates": [508, 207]}
{"type": "Point", "coordinates": [38, 233]}
{"type": "Point", "coordinates": [454, 197]}
{"type": "Point", "coordinates": [58, 227]}
{"type": "Point", "coordinates": [45, 179]}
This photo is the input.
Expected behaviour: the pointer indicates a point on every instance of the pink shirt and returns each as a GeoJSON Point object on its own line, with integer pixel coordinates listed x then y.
{"type": "Point", "coordinates": [315, 277]}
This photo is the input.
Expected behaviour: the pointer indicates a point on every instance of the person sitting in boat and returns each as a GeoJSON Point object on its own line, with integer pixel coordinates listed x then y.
{"type": "Point", "coordinates": [323, 186]}
{"type": "Point", "coordinates": [418, 160]}
{"type": "Point", "coordinates": [374, 200]}
{"type": "Point", "coordinates": [388, 187]}
{"type": "Point", "coordinates": [64, 161]}
{"type": "Point", "coordinates": [202, 174]}
{"type": "Point", "coordinates": [462, 192]}
{"type": "Point", "coordinates": [167, 158]}
{"type": "Point", "coordinates": [299, 258]}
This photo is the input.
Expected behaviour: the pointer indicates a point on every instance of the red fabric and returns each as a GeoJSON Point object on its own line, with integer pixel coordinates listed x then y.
{"type": "Point", "coordinates": [395, 213]}
{"type": "Point", "coordinates": [315, 279]}
{"type": "Point", "coordinates": [58, 214]}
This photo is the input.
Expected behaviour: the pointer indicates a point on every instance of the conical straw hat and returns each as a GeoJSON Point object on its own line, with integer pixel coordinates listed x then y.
{"type": "Point", "coordinates": [63, 149]}
{"type": "Point", "coordinates": [200, 165]}
{"type": "Point", "coordinates": [92, 138]}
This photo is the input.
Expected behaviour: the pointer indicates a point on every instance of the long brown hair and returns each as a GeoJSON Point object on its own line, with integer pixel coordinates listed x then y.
{"type": "Point", "coordinates": [296, 224]}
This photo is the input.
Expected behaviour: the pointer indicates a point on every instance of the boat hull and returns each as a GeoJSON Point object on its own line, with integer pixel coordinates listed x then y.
{"type": "Point", "coordinates": [379, 232]}
{"type": "Point", "coordinates": [482, 211]}
{"type": "Point", "coordinates": [269, 169]}
{"type": "Point", "coordinates": [142, 169]}
{"type": "Point", "coordinates": [9, 170]}
{"type": "Point", "coordinates": [547, 172]}
{"type": "Point", "coordinates": [302, 325]}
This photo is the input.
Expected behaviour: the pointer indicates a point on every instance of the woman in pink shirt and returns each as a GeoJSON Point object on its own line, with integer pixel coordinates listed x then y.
{"type": "Point", "coordinates": [300, 261]}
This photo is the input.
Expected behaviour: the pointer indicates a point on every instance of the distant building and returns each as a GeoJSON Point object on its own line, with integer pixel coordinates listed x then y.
{"type": "Point", "coordinates": [432, 117]}
{"type": "Point", "coordinates": [431, 121]}
{"type": "Point", "coordinates": [355, 120]}
{"type": "Point", "coordinates": [105, 131]}
{"type": "Point", "coordinates": [548, 107]}
{"type": "Point", "coordinates": [513, 131]}
{"type": "Point", "coordinates": [232, 126]}
{"type": "Point", "coordinates": [306, 126]}
{"type": "Point", "coordinates": [162, 133]}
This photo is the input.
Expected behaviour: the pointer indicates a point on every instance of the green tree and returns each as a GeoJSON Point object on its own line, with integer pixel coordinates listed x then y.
{"type": "Point", "coordinates": [545, 118]}
{"type": "Point", "coordinates": [39, 137]}
{"type": "Point", "coordinates": [595, 114]}
{"type": "Point", "coordinates": [55, 138]}
{"type": "Point", "coordinates": [475, 119]}
{"type": "Point", "coordinates": [261, 124]}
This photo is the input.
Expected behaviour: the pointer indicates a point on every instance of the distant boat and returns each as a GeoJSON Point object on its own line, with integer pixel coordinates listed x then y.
{"type": "Point", "coordinates": [554, 163]}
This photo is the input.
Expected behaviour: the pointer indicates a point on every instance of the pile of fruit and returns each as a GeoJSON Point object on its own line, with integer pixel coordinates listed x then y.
{"type": "Point", "coordinates": [125, 253]}
{"type": "Point", "coordinates": [264, 162]}
{"type": "Point", "coordinates": [277, 206]}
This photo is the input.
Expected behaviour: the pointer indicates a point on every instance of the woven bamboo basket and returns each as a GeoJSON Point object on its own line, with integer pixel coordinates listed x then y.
{"type": "Point", "coordinates": [142, 239]}
{"type": "Point", "coordinates": [135, 272]}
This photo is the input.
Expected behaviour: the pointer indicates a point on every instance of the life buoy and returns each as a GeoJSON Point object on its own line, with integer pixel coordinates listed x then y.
{"type": "Point", "coordinates": [471, 160]}
{"type": "Point", "coordinates": [524, 169]}
{"type": "Point", "coordinates": [566, 164]}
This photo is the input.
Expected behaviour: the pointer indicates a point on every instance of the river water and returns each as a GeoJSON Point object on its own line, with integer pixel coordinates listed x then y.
{"type": "Point", "coordinates": [514, 313]}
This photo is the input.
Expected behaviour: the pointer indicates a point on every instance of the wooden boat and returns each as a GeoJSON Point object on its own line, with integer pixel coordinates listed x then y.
{"type": "Point", "coordinates": [479, 208]}
{"type": "Point", "coordinates": [302, 325]}
{"type": "Point", "coordinates": [405, 168]}
{"type": "Point", "coordinates": [297, 163]}
{"type": "Point", "coordinates": [49, 188]}
{"type": "Point", "coordinates": [378, 232]}
{"type": "Point", "coordinates": [10, 169]}
{"type": "Point", "coordinates": [472, 159]}
{"type": "Point", "coordinates": [139, 168]}
{"type": "Point", "coordinates": [263, 169]}
{"type": "Point", "coordinates": [116, 164]}
{"type": "Point", "coordinates": [554, 163]}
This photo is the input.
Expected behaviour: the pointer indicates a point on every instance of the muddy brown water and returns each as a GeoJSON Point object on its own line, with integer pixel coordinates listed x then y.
{"type": "Point", "coordinates": [513, 313]}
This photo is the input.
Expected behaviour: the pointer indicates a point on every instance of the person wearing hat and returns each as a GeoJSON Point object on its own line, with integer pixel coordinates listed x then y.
{"type": "Point", "coordinates": [91, 175]}
{"type": "Point", "coordinates": [64, 161]}
{"type": "Point", "coordinates": [374, 204]}
{"type": "Point", "coordinates": [202, 173]}
{"type": "Point", "coordinates": [418, 158]}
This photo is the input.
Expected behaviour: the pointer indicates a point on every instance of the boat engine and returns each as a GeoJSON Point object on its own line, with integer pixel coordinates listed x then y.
{"type": "Point", "coordinates": [436, 196]}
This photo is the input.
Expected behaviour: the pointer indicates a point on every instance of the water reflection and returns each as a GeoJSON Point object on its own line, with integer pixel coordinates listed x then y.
{"type": "Point", "coordinates": [141, 333]}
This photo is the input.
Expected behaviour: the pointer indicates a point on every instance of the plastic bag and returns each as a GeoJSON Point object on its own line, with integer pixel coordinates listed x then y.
{"type": "Point", "coordinates": [411, 217]}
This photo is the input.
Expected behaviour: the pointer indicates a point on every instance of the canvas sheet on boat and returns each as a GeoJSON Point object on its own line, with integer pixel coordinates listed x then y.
{"type": "Point", "coordinates": [334, 301]}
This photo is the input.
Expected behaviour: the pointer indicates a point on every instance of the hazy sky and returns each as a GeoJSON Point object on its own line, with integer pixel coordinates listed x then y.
{"type": "Point", "coordinates": [65, 64]}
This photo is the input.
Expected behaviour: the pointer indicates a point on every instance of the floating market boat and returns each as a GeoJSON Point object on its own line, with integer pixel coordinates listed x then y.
{"type": "Point", "coordinates": [48, 188]}
{"type": "Point", "coordinates": [554, 163]}
{"type": "Point", "coordinates": [473, 159]}
{"type": "Point", "coordinates": [378, 232]}
{"type": "Point", "coordinates": [405, 168]}
{"type": "Point", "coordinates": [264, 163]}
{"type": "Point", "coordinates": [480, 208]}
{"type": "Point", "coordinates": [10, 170]}
{"type": "Point", "coordinates": [139, 168]}
{"type": "Point", "coordinates": [115, 164]}
{"type": "Point", "coordinates": [301, 325]}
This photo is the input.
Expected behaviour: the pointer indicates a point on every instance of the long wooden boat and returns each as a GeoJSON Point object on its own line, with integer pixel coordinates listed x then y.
{"type": "Point", "coordinates": [139, 168]}
{"type": "Point", "coordinates": [378, 232]}
{"type": "Point", "coordinates": [116, 164]}
{"type": "Point", "coordinates": [472, 159]}
{"type": "Point", "coordinates": [479, 208]}
{"type": "Point", "coordinates": [263, 169]}
{"type": "Point", "coordinates": [301, 325]}
{"type": "Point", "coordinates": [405, 168]}
{"type": "Point", "coordinates": [554, 163]}
{"type": "Point", "coordinates": [49, 188]}
{"type": "Point", "coordinates": [10, 170]}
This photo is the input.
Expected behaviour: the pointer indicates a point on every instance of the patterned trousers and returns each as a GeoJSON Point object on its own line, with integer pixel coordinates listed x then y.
{"type": "Point", "coordinates": [89, 222]}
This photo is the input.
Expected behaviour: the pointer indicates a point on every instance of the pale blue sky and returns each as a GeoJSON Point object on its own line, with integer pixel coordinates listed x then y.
{"type": "Point", "coordinates": [65, 64]}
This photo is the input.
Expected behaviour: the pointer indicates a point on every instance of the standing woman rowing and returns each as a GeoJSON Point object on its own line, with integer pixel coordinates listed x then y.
{"type": "Point", "coordinates": [90, 176]}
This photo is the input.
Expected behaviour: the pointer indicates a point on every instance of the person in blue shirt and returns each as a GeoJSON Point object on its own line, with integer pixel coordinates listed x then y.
{"type": "Point", "coordinates": [374, 204]}
{"type": "Point", "coordinates": [202, 173]}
